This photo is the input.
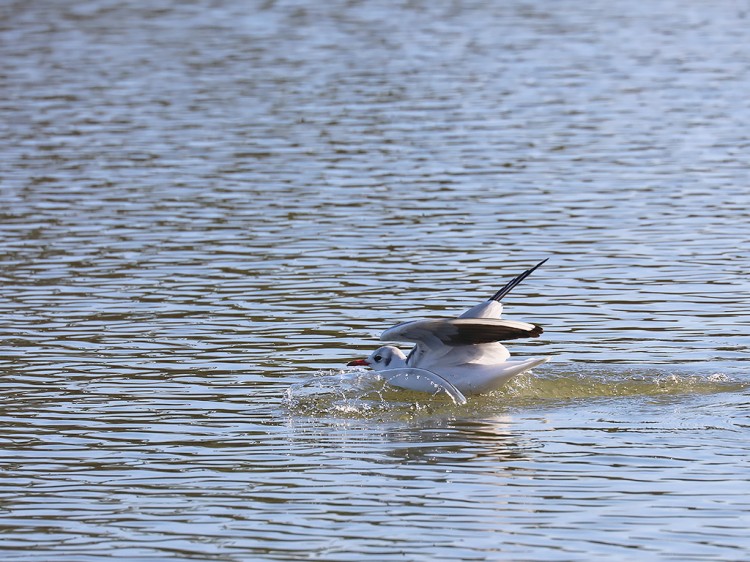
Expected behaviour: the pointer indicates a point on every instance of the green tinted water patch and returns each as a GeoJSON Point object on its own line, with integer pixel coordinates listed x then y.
{"type": "Point", "coordinates": [611, 381]}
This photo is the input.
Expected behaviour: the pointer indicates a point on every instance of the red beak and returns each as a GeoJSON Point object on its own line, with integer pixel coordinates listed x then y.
{"type": "Point", "coordinates": [358, 363]}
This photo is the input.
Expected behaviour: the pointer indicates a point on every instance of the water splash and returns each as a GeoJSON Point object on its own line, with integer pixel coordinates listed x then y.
{"type": "Point", "coordinates": [366, 394]}
{"type": "Point", "coordinates": [360, 393]}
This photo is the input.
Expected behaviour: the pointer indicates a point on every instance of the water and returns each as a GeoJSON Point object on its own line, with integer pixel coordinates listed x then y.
{"type": "Point", "coordinates": [207, 208]}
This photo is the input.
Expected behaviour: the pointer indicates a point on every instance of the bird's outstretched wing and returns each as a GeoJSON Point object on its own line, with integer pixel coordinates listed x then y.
{"type": "Point", "coordinates": [493, 308]}
{"type": "Point", "coordinates": [452, 342]}
{"type": "Point", "coordinates": [460, 331]}
{"type": "Point", "coordinates": [515, 281]}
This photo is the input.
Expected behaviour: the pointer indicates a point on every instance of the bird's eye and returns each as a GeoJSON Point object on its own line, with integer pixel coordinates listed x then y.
{"type": "Point", "coordinates": [378, 358]}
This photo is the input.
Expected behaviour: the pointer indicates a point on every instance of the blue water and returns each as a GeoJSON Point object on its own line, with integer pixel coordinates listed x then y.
{"type": "Point", "coordinates": [208, 208]}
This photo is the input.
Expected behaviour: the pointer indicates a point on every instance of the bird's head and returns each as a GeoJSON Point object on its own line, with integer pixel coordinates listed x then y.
{"type": "Point", "coordinates": [386, 357]}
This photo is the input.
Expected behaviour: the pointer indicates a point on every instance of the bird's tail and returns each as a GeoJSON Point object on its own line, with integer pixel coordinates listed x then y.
{"type": "Point", "coordinates": [515, 281]}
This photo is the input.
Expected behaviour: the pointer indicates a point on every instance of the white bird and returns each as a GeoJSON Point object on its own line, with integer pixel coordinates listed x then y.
{"type": "Point", "coordinates": [460, 355]}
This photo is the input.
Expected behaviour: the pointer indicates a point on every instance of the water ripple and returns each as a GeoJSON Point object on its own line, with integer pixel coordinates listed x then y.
{"type": "Point", "coordinates": [208, 208]}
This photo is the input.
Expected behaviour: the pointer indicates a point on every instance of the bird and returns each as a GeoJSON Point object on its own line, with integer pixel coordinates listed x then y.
{"type": "Point", "coordinates": [462, 356]}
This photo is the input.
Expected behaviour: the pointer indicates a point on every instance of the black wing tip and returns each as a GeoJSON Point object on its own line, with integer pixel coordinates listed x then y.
{"type": "Point", "coordinates": [536, 331]}
{"type": "Point", "coordinates": [516, 281]}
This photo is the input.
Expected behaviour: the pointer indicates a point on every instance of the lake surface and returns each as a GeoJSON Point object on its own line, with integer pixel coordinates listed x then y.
{"type": "Point", "coordinates": [208, 208]}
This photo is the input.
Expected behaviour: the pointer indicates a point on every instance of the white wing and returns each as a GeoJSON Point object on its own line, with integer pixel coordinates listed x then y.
{"type": "Point", "coordinates": [460, 331]}
{"type": "Point", "coordinates": [458, 341]}
{"type": "Point", "coordinates": [486, 309]}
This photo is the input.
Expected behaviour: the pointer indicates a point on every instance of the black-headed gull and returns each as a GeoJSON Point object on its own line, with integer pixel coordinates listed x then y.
{"type": "Point", "coordinates": [459, 355]}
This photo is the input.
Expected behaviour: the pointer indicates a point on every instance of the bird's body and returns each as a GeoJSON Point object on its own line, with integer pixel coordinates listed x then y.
{"type": "Point", "coordinates": [464, 353]}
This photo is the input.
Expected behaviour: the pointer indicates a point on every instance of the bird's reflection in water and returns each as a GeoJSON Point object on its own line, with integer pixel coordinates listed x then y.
{"type": "Point", "coordinates": [452, 442]}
